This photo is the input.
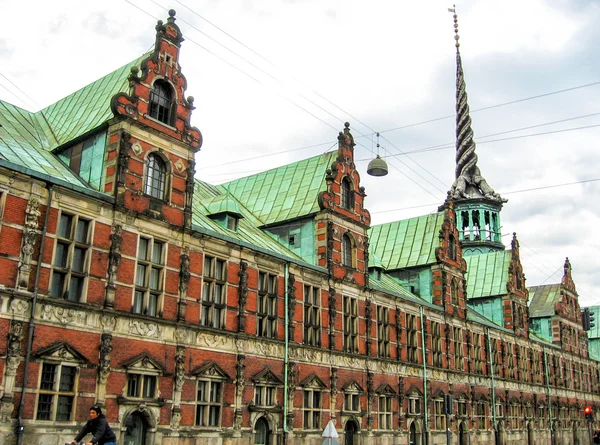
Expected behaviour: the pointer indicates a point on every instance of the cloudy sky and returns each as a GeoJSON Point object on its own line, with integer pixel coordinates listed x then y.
{"type": "Point", "coordinates": [274, 80]}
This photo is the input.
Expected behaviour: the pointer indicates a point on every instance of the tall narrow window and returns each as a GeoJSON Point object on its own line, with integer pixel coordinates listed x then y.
{"type": "Point", "coordinates": [477, 354]}
{"type": "Point", "coordinates": [347, 194]}
{"type": "Point", "coordinates": [213, 293]}
{"type": "Point", "coordinates": [436, 343]}
{"type": "Point", "coordinates": [412, 343]}
{"type": "Point", "coordinates": [266, 322]}
{"type": "Point", "coordinates": [312, 408]}
{"type": "Point", "coordinates": [141, 386]}
{"type": "Point", "coordinates": [57, 392]}
{"type": "Point", "coordinates": [347, 254]}
{"type": "Point", "coordinates": [70, 258]}
{"type": "Point", "coordinates": [209, 399]}
{"type": "Point", "coordinates": [458, 349]}
{"type": "Point", "coordinates": [161, 102]}
{"type": "Point", "coordinates": [156, 177]}
{"type": "Point", "coordinates": [481, 418]}
{"type": "Point", "coordinates": [312, 316]}
{"type": "Point", "coordinates": [148, 277]}
{"type": "Point", "coordinates": [454, 291]}
{"type": "Point", "coordinates": [385, 411]}
{"type": "Point", "coordinates": [439, 416]}
{"type": "Point", "coordinates": [383, 331]}
{"type": "Point", "coordinates": [350, 325]}
{"type": "Point", "coordinates": [452, 247]}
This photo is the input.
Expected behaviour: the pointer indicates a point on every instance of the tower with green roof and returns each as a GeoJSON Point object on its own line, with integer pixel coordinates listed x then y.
{"type": "Point", "coordinates": [477, 205]}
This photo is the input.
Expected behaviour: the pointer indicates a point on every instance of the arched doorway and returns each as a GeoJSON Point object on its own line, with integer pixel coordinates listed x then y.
{"type": "Point", "coordinates": [501, 434]}
{"type": "Point", "coordinates": [414, 434]}
{"type": "Point", "coordinates": [136, 429]}
{"type": "Point", "coordinates": [463, 435]}
{"type": "Point", "coordinates": [575, 435]}
{"type": "Point", "coordinates": [350, 431]}
{"type": "Point", "coordinates": [262, 433]}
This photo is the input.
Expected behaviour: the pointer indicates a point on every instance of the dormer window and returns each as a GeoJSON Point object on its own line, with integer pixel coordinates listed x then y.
{"type": "Point", "coordinates": [156, 177]}
{"type": "Point", "coordinates": [161, 102]}
{"type": "Point", "coordinates": [347, 194]}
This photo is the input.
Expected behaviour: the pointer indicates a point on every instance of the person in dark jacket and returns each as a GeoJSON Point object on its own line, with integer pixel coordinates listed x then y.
{"type": "Point", "coordinates": [99, 428]}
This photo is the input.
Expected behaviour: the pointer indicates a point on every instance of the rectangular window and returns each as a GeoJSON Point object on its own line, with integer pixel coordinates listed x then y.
{"type": "Point", "coordinates": [87, 159]}
{"type": "Point", "coordinates": [214, 288]}
{"type": "Point", "coordinates": [312, 316]}
{"type": "Point", "coordinates": [438, 415]}
{"type": "Point", "coordinates": [266, 323]}
{"type": "Point", "coordinates": [383, 332]}
{"type": "Point", "coordinates": [209, 400]}
{"type": "Point", "coordinates": [350, 325]}
{"type": "Point", "coordinates": [57, 392]}
{"type": "Point", "coordinates": [352, 402]}
{"type": "Point", "coordinates": [265, 395]}
{"type": "Point", "coordinates": [312, 409]}
{"type": "Point", "coordinates": [385, 412]}
{"type": "Point", "coordinates": [461, 408]}
{"type": "Point", "coordinates": [412, 339]}
{"type": "Point", "coordinates": [458, 349]}
{"type": "Point", "coordinates": [436, 344]}
{"type": "Point", "coordinates": [481, 415]}
{"type": "Point", "coordinates": [149, 277]}
{"type": "Point", "coordinates": [414, 405]}
{"type": "Point", "coordinates": [70, 264]}
{"type": "Point", "coordinates": [141, 386]}
{"type": "Point", "coordinates": [477, 357]}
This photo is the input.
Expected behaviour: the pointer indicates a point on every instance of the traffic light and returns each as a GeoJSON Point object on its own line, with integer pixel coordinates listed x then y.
{"type": "Point", "coordinates": [591, 319]}
{"type": "Point", "coordinates": [589, 413]}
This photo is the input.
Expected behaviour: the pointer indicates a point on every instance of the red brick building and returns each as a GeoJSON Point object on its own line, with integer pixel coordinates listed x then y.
{"type": "Point", "coordinates": [255, 312]}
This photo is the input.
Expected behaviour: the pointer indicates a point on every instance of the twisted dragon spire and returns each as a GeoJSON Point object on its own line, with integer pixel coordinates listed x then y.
{"type": "Point", "coordinates": [469, 182]}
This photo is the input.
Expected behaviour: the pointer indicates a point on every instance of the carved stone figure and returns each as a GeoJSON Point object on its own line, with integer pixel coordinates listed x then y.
{"type": "Point", "coordinates": [291, 304]}
{"type": "Point", "coordinates": [30, 234]}
{"type": "Point", "coordinates": [123, 160]}
{"type": "Point", "coordinates": [184, 280]}
{"type": "Point", "coordinates": [243, 295]}
{"type": "Point", "coordinates": [332, 315]}
{"type": "Point", "coordinates": [114, 259]}
{"type": "Point", "coordinates": [104, 362]}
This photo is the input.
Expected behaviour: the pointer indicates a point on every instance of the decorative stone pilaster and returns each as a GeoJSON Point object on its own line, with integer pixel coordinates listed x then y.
{"type": "Point", "coordinates": [291, 383]}
{"type": "Point", "coordinates": [398, 326]}
{"type": "Point", "coordinates": [184, 280]}
{"type": "Point", "coordinates": [333, 378]}
{"type": "Point", "coordinates": [123, 160]}
{"type": "Point", "coordinates": [368, 320]}
{"type": "Point", "coordinates": [291, 292]}
{"type": "Point", "coordinates": [240, 384]}
{"type": "Point", "coordinates": [332, 315]}
{"type": "Point", "coordinates": [13, 358]}
{"type": "Point", "coordinates": [30, 235]}
{"type": "Point", "coordinates": [179, 375]}
{"type": "Point", "coordinates": [189, 193]}
{"type": "Point", "coordinates": [114, 259]}
{"type": "Point", "coordinates": [243, 296]}
{"type": "Point", "coordinates": [370, 400]}
{"type": "Point", "coordinates": [103, 366]}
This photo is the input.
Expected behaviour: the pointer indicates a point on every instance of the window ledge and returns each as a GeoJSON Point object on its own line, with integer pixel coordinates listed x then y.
{"type": "Point", "coordinates": [150, 118]}
{"type": "Point", "coordinates": [265, 409]}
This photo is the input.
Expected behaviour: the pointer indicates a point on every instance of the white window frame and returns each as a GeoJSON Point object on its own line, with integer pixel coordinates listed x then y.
{"type": "Point", "coordinates": [55, 392]}
{"type": "Point", "coordinates": [267, 302]}
{"type": "Point", "coordinates": [147, 298]}
{"type": "Point", "coordinates": [312, 315]}
{"type": "Point", "coordinates": [350, 314]}
{"type": "Point", "coordinates": [209, 404]}
{"type": "Point", "coordinates": [214, 292]}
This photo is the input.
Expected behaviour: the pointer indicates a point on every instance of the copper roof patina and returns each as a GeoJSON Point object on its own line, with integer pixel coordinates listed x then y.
{"type": "Point", "coordinates": [487, 274]}
{"type": "Point", "coordinates": [543, 300]}
{"type": "Point", "coordinates": [407, 243]}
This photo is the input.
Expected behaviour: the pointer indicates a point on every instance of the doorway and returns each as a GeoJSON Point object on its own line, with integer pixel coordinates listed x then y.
{"type": "Point", "coordinates": [136, 429]}
{"type": "Point", "coordinates": [350, 431]}
{"type": "Point", "coordinates": [463, 435]}
{"type": "Point", "coordinates": [414, 435]}
{"type": "Point", "coordinates": [261, 432]}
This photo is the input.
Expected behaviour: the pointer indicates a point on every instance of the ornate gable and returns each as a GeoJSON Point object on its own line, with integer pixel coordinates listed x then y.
{"type": "Point", "coordinates": [61, 352]}
{"type": "Point", "coordinates": [352, 386]}
{"type": "Point", "coordinates": [567, 279]}
{"type": "Point", "coordinates": [313, 381]}
{"type": "Point", "coordinates": [267, 376]}
{"type": "Point", "coordinates": [161, 66]}
{"type": "Point", "coordinates": [515, 303]}
{"type": "Point", "coordinates": [211, 370]}
{"type": "Point", "coordinates": [143, 363]}
{"type": "Point", "coordinates": [385, 389]}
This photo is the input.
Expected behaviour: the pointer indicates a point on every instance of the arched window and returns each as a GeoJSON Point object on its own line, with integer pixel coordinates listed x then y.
{"type": "Point", "coordinates": [347, 194]}
{"type": "Point", "coordinates": [156, 177]}
{"type": "Point", "coordinates": [347, 251]}
{"type": "Point", "coordinates": [452, 247]}
{"type": "Point", "coordinates": [161, 102]}
{"type": "Point", "coordinates": [454, 291]}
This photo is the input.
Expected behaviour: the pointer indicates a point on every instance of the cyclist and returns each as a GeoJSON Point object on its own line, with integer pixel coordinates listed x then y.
{"type": "Point", "coordinates": [98, 427]}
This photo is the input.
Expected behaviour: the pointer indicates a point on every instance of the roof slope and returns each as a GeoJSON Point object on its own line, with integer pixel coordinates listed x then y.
{"type": "Point", "coordinates": [542, 300]}
{"type": "Point", "coordinates": [487, 274]}
{"type": "Point", "coordinates": [407, 243]}
{"type": "Point", "coordinates": [247, 231]}
{"type": "Point", "coordinates": [283, 193]}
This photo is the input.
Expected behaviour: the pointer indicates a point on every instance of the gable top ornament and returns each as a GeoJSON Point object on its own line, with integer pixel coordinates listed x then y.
{"type": "Point", "coordinates": [469, 182]}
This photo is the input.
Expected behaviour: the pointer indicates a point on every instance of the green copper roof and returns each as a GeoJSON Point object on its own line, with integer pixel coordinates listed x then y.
{"type": "Point", "coordinates": [407, 243]}
{"type": "Point", "coordinates": [283, 193]}
{"type": "Point", "coordinates": [87, 108]}
{"type": "Point", "coordinates": [388, 283]}
{"type": "Point", "coordinates": [595, 331]}
{"type": "Point", "coordinates": [473, 315]}
{"type": "Point", "coordinates": [542, 300]}
{"type": "Point", "coordinates": [247, 231]}
{"type": "Point", "coordinates": [487, 274]}
{"type": "Point", "coordinates": [223, 204]}
{"type": "Point", "coordinates": [23, 143]}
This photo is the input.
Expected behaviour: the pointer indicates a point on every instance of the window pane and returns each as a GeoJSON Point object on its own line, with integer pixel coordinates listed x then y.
{"type": "Point", "coordinates": [48, 373]}
{"type": "Point", "coordinates": [213, 419]}
{"type": "Point", "coordinates": [60, 258]}
{"type": "Point", "coordinates": [219, 269]}
{"type": "Point", "coordinates": [157, 250]}
{"type": "Point", "coordinates": [143, 249]}
{"type": "Point", "coordinates": [58, 285]}
{"type": "Point", "coordinates": [64, 226]}
{"type": "Point", "coordinates": [67, 379]}
{"type": "Point", "coordinates": [202, 391]}
{"type": "Point", "coordinates": [78, 263]}
{"type": "Point", "coordinates": [81, 234]}
{"type": "Point", "coordinates": [149, 386]}
{"type": "Point", "coordinates": [215, 392]}
{"type": "Point", "coordinates": [44, 407]}
{"type": "Point", "coordinates": [153, 305]}
{"type": "Point", "coordinates": [65, 406]}
{"type": "Point", "coordinates": [140, 278]}
{"type": "Point", "coordinates": [138, 300]}
{"type": "Point", "coordinates": [155, 278]}
{"type": "Point", "coordinates": [133, 381]}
